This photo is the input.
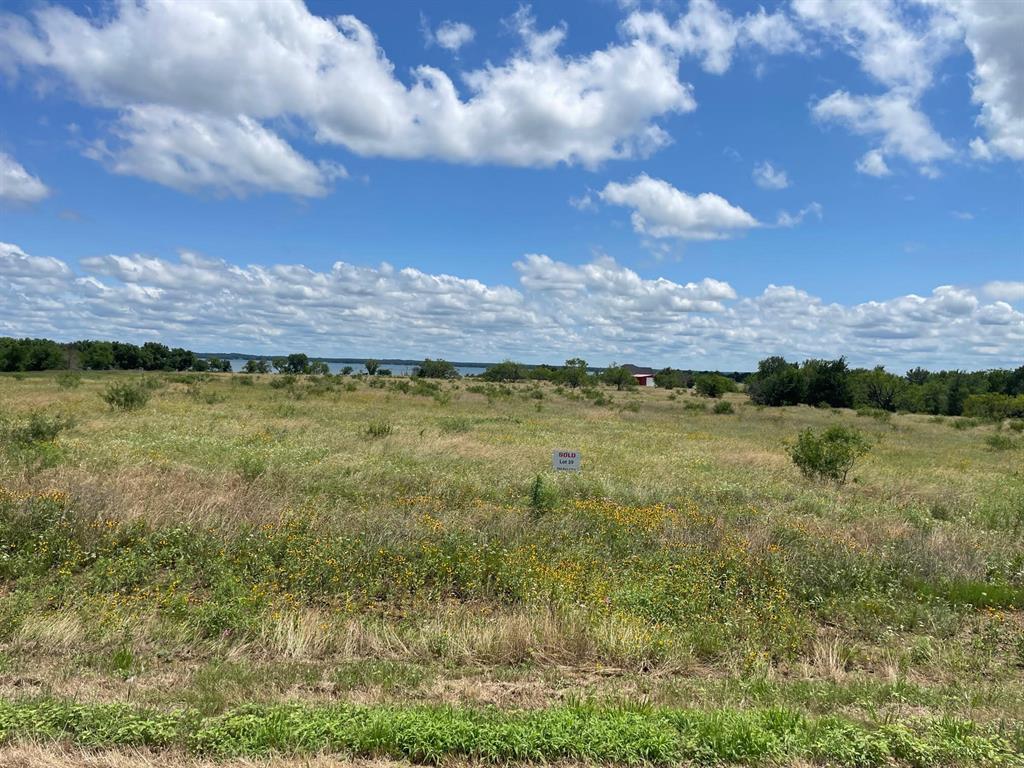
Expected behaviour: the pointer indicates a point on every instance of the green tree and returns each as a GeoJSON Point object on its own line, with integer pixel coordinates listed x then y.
{"type": "Point", "coordinates": [505, 371]}
{"type": "Point", "coordinates": [618, 376]}
{"type": "Point", "coordinates": [436, 369]}
{"type": "Point", "coordinates": [372, 366]}
{"type": "Point", "coordinates": [670, 378]}
{"type": "Point", "coordinates": [776, 383]}
{"type": "Point", "coordinates": [574, 372]}
{"type": "Point", "coordinates": [713, 384]}
{"type": "Point", "coordinates": [827, 381]}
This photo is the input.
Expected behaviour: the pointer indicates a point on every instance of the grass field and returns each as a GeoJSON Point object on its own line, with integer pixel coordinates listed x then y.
{"type": "Point", "coordinates": [257, 567]}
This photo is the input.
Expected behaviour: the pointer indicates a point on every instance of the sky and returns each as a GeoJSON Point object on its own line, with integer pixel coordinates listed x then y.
{"type": "Point", "coordinates": [697, 184]}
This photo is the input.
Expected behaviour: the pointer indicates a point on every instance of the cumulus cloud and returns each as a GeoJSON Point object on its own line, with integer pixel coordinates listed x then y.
{"type": "Point", "coordinates": [767, 176]}
{"type": "Point", "coordinates": [1007, 290]}
{"type": "Point", "coordinates": [873, 164]}
{"type": "Point", "coordinates": [712, 34]}
{"type": "Point", "coordinates": [661, 210]}
{"type": "Point", "coordinates": [895, 120]}
{"type": "Point", "coordinates": [793, 219]}
{"type": "Point", "coordinates": [266, 61]}
{"type": "Point", "coordinates": [900, 48]}
{"type": "Point", "coordinates": [601, 310]}
{"type": "Point", "coordinates": [189, 151]}
{"type": "Point", "coordinates": [452, 35]}
{"type": "Point", "coordinates": [993, 33]}
{"type": "Point", "coordinates": [18, 185]}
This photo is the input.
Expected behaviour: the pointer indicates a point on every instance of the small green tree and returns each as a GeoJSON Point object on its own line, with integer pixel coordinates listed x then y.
{"type": "Point", "coordinates": [714, 385]}
{"type": "Point", "coordinates": [436, 369]}
{"type": "Point", "coordinates": [506, 371]}
{"type": "Point", "coordinates": [372, 366]}
{"type": "Point", "coordinates": [830, 455]}
{"type": "Point", "coordinates": [618, 376]}
{"type": "Point", "coordinates": [574, 373]}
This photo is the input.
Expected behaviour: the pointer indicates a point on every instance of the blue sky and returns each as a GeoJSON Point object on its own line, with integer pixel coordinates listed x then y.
{"type": "Point", "coordinates": [689, 184]}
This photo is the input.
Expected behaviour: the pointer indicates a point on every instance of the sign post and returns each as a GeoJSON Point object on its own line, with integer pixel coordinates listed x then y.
{"type": "Point", "coordinates": [566, 461]}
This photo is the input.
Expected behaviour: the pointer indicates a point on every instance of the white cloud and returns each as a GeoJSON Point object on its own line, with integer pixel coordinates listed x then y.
{"type": "Point", "coordinates": [994, 32]}
{"type": "Point", "coordinates": [713, 34]}
{"type": "Point", "coordinates": [661, 210]}
{"type": "Point", "coordinates": [452, 35]}
{"type": "Point", "coordinates": [189, 151]}
{"type": "Point", "coordinates": [794, 219]}
{"type": "Point", "coordinates": [263, 61]}
{"type": "Point", "coordinates": [767, 176]}
{"type": "Point", "coordinates": [897, 45]}
{"type": "Point", "coordinates": [962, 215]}
{"type": "Point", "coordinates": [18, 185]}
{"type": "Point", "coordinates": [1007, 290]}
{"type": "Point", "coordinates": [873, 164]}
{"type": "Point", "coordinates": [601, 310]}
{"type": "Point", "coordinates": [894, 118]}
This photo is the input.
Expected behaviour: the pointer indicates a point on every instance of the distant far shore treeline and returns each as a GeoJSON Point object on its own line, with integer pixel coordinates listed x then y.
{"type": "Point", "coordinates": [996, 393]}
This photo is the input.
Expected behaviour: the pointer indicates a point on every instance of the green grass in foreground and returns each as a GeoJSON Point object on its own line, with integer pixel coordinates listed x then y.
{"type": "Point", "coordinates": [575, 732]}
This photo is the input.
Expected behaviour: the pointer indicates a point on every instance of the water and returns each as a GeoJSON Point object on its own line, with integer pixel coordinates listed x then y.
{"type": "Point", "coordinates": [237, 364]}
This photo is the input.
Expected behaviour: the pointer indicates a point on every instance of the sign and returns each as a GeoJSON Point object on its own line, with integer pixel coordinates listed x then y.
{"type": "Point", "coordinates": [567, 461]}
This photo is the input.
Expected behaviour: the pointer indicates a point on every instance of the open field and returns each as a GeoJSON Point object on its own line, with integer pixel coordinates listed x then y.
{"type": "Point", "coordinates": [249, 566]}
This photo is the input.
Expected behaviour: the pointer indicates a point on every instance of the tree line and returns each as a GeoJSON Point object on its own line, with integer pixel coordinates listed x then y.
{"type": "Point", "coordinates": [44, 354]}
{"type": "Point", "coordinates": [997, 393]}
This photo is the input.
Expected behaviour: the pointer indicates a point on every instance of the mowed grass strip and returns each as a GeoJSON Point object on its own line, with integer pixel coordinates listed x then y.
{"type": "Point", "coordinates": [595, 734]}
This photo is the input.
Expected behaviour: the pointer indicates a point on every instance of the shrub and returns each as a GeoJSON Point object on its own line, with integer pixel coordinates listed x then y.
{"type": "Point", "coordinates": [1000, 442]}
{"type": "Point", "coordinates": [126, 397]}
{"type": "Point", "coordinates": [694, 405]}
{"type": "Point", "coordinates": [455, 424]}
{"type": "Point", "coordinates": [39, 428]}
{"type": "Point", "coordinates": [830, 455]}
{"type": "Point", "coordinates": [436, 369]}
{"type": "Point", "coordinates": [714, 385]}
{"type": "Point", "coordinates": [69, 380]}
{"type": "Point", "coordinates": [506, 371]}
{"type": "Point", "coordinates": [723, 407]}
{"type": "Point", "coordinates": [282, 381]}
{"type": "Point", "coordinates": [379, 428]}
{"type": "Point", "coordinates": [994, 406]}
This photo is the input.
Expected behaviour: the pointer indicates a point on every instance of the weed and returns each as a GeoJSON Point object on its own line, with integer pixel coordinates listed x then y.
{"type": "Point", "coordinates": [126, 397]}
{"type": "Point", "coordinates": [455, 424]}
{"type": "Point", "coordinates": [68, 380]}
{"type": "Point", "coordinates": [999, 442]}
{"type": "Point", "coordinates": [379, 428]}
{"type": "Point", "coordinates": [723, 406]}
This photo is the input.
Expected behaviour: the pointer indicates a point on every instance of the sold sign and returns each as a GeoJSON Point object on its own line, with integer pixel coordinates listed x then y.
{"type": "Point", "coordinates": [566, 460]}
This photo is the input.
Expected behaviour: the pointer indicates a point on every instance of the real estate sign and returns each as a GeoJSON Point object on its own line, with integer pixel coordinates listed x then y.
{"type": "Point", "coordinates": [566, 460]}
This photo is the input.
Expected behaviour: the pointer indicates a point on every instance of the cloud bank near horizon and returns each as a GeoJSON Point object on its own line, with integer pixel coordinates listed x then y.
{"type": "Point", "coordinates": [601, 310]}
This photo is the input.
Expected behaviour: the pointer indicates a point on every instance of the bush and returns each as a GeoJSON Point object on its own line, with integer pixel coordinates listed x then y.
{"type": "Point", "coordinates": [69, 380]}
{"type": "Point", "coordinates": [126, 397]}
{"type": "Point", "coordinates": [39, 428]}
{"type": "Point", "coordinates": [506, 371]}
{"type": "Point", "coordinates": [436, 369]}
{"type": "Point", "coordinates": [723, 407]}
{"type": "Point", "coordinates": [830, 455]}
{"type": "Point", "coordinates": [994, 406]}
{"type": "Point", "coordinates": [455, 424]}
{"type": "Point", "coordinates": [379, 429]}
{"type": "Point", "coordinates": [714, 385]}
{"type": "Point", "coordinates": [1000, 442]}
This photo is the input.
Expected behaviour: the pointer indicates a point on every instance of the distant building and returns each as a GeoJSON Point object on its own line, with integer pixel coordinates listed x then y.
{"type": "Point", "coordinates": [644, 377]}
